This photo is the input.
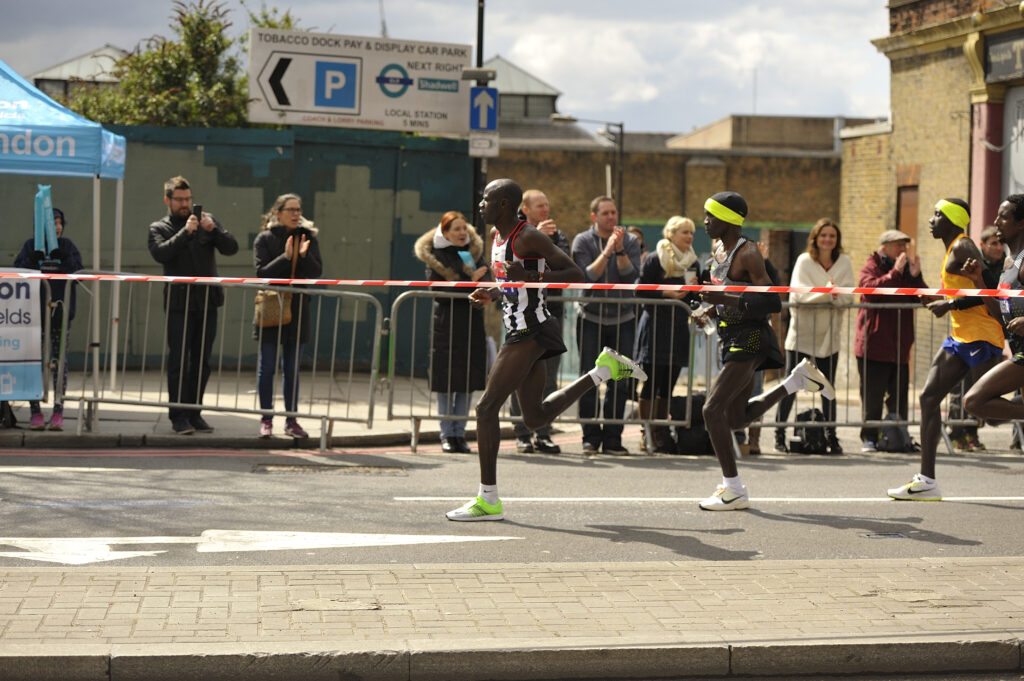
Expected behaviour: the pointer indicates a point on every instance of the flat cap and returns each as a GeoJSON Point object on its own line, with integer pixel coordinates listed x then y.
{"type": "Point", "coordinates": [892, 235]}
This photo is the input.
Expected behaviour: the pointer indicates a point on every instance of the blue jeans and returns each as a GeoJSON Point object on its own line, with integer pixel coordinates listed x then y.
{"type": "Point", "coordinates": [453, 404]}
{"type": "Point", "coordinates": [290, 374]}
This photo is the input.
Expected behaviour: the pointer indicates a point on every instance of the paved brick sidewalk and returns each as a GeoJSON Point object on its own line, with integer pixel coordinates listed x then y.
{"type": "Point", "coordinates": [522, 621]}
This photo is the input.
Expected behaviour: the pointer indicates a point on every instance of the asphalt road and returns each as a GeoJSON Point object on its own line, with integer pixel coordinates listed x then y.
{"type": "Point", "coordinates": [179, 508]}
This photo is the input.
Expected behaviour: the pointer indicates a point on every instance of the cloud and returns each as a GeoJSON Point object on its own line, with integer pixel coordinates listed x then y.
{"type": "Point", "coordinates": [655, 64]}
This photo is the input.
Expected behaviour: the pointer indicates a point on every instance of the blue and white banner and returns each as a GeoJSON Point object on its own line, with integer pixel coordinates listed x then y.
{"type": "Point", "coordinates": [21, 354]}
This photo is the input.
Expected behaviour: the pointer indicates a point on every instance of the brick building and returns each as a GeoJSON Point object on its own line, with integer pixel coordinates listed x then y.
{"type": "Point", "coordinates": [957, 100]}
{"type": "Point", "coordinates": [957, 114]}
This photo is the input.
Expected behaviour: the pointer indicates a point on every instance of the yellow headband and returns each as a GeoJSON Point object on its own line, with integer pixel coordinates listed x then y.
{"type": "Point", "coordinates": [723, 213]}
{"type": "Point", "coordinates": [956, 214]}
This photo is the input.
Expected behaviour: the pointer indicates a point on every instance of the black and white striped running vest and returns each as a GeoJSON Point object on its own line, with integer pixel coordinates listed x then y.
{"type": "Point", "coordinates": [523, 308]}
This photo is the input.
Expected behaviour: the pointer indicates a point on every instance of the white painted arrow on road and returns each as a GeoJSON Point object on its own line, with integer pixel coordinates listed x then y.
{"type": "Point", "coordinates": [80, 551]}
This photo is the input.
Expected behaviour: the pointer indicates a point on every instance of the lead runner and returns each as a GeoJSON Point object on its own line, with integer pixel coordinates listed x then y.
{"type": "Point", "coordinates": [521, 253]}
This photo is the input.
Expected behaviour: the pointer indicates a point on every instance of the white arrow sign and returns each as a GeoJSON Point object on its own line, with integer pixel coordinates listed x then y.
{"type": "Point", "coordinates": [80, 551]}
{"type": "Point", "coordinates": [483, 103]}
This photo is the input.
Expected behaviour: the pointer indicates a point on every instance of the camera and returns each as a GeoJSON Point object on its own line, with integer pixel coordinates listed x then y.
{"type": "Point", "coordinates": [197, 210]}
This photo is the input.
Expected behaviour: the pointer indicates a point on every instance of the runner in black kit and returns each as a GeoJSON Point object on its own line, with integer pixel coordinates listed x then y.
{"type": "Point", "coordinates": [985, 399]}
{"type": "Point", "coordinates": [521, 253]}
{"type": "Point", "coordinates": [748, 344]}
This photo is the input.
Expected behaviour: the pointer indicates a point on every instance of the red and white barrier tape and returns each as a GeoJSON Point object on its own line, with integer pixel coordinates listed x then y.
{"type": "Point", "coordinates": [854, 290]}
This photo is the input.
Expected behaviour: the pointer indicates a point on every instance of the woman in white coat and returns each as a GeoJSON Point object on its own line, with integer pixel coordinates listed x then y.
{"type": "Point", "coordinates": [817, 332]}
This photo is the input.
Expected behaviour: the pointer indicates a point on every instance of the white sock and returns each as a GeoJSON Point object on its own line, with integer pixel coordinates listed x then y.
{"type": "Point", "coordinates": [793, 383]}
{"type": "Point", "coordinates": [600, 374]}
{"type": "Point", "coordinates": [735, 484]}
{"type": "Point", "coordinates": [488, 493]}
{"type": "Point", "coordinates": [925, 479]}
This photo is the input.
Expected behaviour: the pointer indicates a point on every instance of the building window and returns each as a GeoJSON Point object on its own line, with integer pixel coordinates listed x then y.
{"type": "Point", "coordinates": [539, 106]}
{"type": "Point", "coordinates": [906, 210]}
{"type": "Point", "coordinates": [511, 106]}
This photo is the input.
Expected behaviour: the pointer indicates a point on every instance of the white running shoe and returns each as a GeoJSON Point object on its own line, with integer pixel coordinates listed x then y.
{"type": "Point", "coordinates": [814, 380]}
{"type": "Point", "coordinates": [917, 490]}
{"type": "Point", "coordinates": [726, 499]}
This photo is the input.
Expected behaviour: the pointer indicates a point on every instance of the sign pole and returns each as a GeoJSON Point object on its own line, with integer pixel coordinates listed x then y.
{"type": "Point", "coordinates": [479, 165]}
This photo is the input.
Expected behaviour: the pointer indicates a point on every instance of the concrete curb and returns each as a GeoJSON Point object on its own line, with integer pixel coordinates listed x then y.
{"type": "Point", "coordinates": [17, 438]}
{"type": "Point", "coordinates": [428, 661]}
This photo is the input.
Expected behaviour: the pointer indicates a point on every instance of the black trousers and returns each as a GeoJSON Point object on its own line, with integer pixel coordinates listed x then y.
{"type": "Point", "coordinates": [882, 383]}
{"type": "Point", "coordinates": [189, 344]}
{"type": "Point", "coordinates": [591, 339]}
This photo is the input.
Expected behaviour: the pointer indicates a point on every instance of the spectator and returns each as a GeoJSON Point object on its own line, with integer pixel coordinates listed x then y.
{"type": "Point", "coordinates": [993, 251]}
{"type": "Point", "coordinates": [453, 251]}
{"type": "Point", "coordinates": [285, 236]}
{"type": "Point", "coordinates": [884, 336]}
{"type": "Point", "coordinates": [608, 254]}
{"type": "Point", "coordinates": [663, 334]}
{"type": "Point", "coordinates": [186, 243]}
{"type": "Point", "coordinates": [537, 211]}
{"type": "Point", "coordinates": [639, 234]}
{"type": "Point", "coordinates": [817, 332]}
{"type": "Point", "coordinates": [66, 259]}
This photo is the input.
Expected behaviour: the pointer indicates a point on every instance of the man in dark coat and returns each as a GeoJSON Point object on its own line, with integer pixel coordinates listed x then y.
{"type": "Point", "coordinates": [885, 336]}
{"type": "Point", "coordinates": [186, 244]}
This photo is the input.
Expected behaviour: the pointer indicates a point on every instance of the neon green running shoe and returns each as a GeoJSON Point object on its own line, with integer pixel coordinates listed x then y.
{"type": "Point", "coordinates": [620, 365]}
{"type": "Point", "coordinates": [477, 509]}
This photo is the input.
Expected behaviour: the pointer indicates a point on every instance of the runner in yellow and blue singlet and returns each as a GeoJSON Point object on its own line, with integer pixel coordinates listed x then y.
{"type": "Point", "coordinates": [974, 346]}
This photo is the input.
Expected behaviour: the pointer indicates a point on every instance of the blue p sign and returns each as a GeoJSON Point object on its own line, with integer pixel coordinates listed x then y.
{"type": "Point", "coordinates": [336, 84]}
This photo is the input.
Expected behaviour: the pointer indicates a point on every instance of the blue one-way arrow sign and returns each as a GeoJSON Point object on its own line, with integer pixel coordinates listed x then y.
{"type": "Point", "coordinates": [483, 108]}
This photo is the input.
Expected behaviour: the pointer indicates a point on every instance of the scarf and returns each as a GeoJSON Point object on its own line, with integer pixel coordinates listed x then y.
{"type": "Point", "coordinates": [674, 261]}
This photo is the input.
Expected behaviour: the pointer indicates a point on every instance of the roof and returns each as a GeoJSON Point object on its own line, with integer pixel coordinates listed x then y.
{"type": "Point", "coordinates": [512, 80]}
{"type": "Point", "coordinates": [45, 138]}
{"type": "Point", "coordinates": [542, 134]}
{"type": "Point", "coordinates": [92, 66]}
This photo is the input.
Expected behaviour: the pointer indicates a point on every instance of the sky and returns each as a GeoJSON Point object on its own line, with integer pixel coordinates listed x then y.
{"type": "Point", "coordinates": [655, 65]}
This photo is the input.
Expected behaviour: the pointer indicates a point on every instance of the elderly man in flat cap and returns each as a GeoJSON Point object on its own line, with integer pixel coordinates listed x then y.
{"type": "Point", "coordinates": [885, 336]}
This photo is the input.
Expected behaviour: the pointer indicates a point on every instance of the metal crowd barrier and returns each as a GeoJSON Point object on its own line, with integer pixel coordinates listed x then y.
{"type": "Point", "coordinates": [122, 356]}
{"type": "Point", "coordinates": [409, 396]}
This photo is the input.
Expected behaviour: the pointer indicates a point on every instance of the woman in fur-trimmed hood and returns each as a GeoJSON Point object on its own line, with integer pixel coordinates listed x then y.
{"type": "Point", "coordinates": [453, 251]}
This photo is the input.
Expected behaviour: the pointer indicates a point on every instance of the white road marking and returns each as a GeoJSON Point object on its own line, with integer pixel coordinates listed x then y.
{"type": "Point", "coordinates": [595, 500]}
{"type": "Point", "coordinates": [62, 469]}
{"type": "Point", "coordinates": [79, 551]}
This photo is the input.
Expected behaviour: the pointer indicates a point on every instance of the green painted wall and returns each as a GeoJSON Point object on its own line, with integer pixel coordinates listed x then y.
{"type": "Point", "coordinates": [370, 193]}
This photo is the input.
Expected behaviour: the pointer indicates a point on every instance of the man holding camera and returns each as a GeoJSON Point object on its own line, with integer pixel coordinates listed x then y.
{"type": "Point", "coordinates": [185, 242]}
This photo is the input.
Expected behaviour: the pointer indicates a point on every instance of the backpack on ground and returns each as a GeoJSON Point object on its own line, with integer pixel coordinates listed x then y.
{"type": "Point", "coordinates": [808, 439]}
{"type": "Point", "coordinates": [895, 437]}
{"type": "Point", "coordinates": [695, 439]}
{"type": "Point", "coordinates": [7, 419]}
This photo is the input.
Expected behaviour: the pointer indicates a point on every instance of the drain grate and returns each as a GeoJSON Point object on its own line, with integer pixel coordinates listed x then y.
{"type": "Point", "coordinates": [327, 468]}
{"type": "Point", "coordinates": [885, 535]}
